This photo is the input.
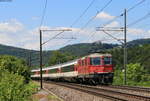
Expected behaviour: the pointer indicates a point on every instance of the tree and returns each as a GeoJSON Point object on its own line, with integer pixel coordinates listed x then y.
{"type": "Point", "coordinates": [58, 57]}
{"type": "Point", "coordinates": [135, 72]}
{"type": "Point", "coordinates": [13, 88]}
{"type": "Point", "coordinates": [15, 65]}
{"type": "Point", "coordinates": [136, 75]}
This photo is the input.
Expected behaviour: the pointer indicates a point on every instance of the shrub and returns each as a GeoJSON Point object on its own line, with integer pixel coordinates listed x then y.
{"type": "Point", "coordinates": [13, 88]}
{"type": "Point", "coordinates": [14, 65]}
{"type": "Point", "coordinates": [136, 75]}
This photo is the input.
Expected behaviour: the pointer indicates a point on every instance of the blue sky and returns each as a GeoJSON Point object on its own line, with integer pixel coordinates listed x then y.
{"type": "Point", "coordinates": [20, 20]}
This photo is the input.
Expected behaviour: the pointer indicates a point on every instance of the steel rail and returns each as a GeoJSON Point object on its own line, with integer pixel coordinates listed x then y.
{"type": "Point", "coordinates": [105, 93]}
{"type": "Point", "coordinates": [135, 88]}
{"type": "Point", "coordinates": [89, 91]}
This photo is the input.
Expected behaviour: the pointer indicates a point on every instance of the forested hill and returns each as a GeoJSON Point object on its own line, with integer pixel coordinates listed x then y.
{"type": "Point", "coordinates": [76, 50]}
{"type": "Point", "coordinates": [18, 52]}
{"type": "Point", "coordinates": [9, 50]}
{"type": "Point", "coordinates": [86, 48]}
{"type": "Point", "coordinates": [138, 42]}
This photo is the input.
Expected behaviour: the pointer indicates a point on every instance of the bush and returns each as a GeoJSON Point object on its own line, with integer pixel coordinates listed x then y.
{"type": "Point", "coordinates": [15, 65]}
{"type": "Point", "coordinates": [136, 75]}
{"type": "Point", "coordinates": [14, 75]}
{"type": "Point", "coordinates": [118, 77]}
{"type": "Point", "coordinates": [12, 88]}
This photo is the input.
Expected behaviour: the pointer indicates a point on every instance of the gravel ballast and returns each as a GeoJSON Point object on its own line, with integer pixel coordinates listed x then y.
{"type": "Point", "coordinates": [68, 94]}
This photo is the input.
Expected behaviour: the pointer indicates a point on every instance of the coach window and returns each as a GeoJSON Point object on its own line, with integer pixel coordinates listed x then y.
{"type": "Point", "coordinates": [85, 62]}
{"type": "Point", "coordinates": [82, 62]}
{"type": "Point", "coordinates": [79, 63]}
{"type": "Point", "coordinates": [107, 60]}
{"type": "Point", "coordinates": [53, 71]}
{"type": "Point", "coordinates": [95, 61]}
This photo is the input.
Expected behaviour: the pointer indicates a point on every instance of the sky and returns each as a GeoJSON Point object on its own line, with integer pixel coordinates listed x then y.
{"type": "Point", "coordinates": [20, 21]}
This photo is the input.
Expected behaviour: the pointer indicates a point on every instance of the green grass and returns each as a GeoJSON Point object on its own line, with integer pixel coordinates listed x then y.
{"type": "Point", "coordinates": [52, 97]}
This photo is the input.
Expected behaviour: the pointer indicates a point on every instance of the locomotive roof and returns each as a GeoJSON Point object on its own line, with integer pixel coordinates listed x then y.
{"type": "Point", "coordinates": [96, 55]}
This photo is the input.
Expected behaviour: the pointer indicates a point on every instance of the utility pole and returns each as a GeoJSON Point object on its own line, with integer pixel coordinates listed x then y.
{"type": "Point", "coordinates": [41, 59]}
{"type": "Point", "coordinates": [124, 42]}
{"type": "Point", "coordinates": [125, 47]}
{"type": "Point", "coordinates": [41, 44]}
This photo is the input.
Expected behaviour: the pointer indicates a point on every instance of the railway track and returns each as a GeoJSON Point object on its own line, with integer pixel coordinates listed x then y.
{"type": "Point", "coordinates": [141, 89]}
{"type": "Point", "coordinates": [129, 89]}
{"type": "Point", "coordinates": [105, 93]}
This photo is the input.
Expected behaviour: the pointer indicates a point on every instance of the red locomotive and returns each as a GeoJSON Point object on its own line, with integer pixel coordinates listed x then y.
{"type": "Point", "coordinates": [94, 69]}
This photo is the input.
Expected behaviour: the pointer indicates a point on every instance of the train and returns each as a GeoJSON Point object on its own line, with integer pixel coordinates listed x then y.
{"type": "Point", "coordinates": [95, 68]}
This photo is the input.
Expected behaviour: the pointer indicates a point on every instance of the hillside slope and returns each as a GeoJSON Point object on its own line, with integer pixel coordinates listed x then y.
{"type": "Point", "coordinates": [79, 50]}
{"type": "Point", "coordinates": [138, 42]}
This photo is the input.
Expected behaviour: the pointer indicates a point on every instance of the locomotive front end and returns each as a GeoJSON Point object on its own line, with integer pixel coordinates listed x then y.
{"type": "Point", "coordinates": [101, 68]}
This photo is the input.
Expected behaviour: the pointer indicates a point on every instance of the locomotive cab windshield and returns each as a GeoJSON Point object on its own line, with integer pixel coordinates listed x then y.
{"type": "Point", "coordinates": [107, 60]}
{"type": "Point", "coordinates": [95, 61]}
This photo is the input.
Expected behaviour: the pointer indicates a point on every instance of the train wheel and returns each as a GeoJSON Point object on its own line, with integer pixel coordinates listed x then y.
{"type": "Point", "coordinates": [80, 80]}
{"type": "Point", "coordinates": [92, 82]}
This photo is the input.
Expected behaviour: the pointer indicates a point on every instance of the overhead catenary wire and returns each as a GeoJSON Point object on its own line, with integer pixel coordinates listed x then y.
{"type": "Point", "coordinates": [134, 6]}
{"type": "Point", "coordinates": [83, 13]}
{"type": "Point", "coordinates": [42, 20]}
{"type": "Point", "coordinates": [116, 17]}
{"type": "Point", "coordinates": [91, 3]}
{"type": "Point", "coordinates": [128, 10]}
{"type": "Point", "coordinates": [43, 14]}
{"type": "Point", "coordinates": [106, 5]}
{"type": "Point", "coordinates": [52, 37]}
{"type": "Point", "coordinates": [91, 19]}
{"type": "Point", "coordinates": [138, 20]}
{"type": "Point", "coordinates": [113, 37]}
{"type": "Point", "coordinates": [44, 11]}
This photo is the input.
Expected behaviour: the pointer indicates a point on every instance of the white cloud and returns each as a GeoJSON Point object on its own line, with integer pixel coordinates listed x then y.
{"type": "Point", "coordinates": [5, 39]}
{"type": "Point", "coordinates": [31, 45]}
{"type": "Point", "coordinates": [11, 26]}
{"type": "Point", "coordinates": [104, 16]}
{"type": "Point", "coordinates": [113, 24]}
{"type": "Point", "coordinates": [135, 31]}
{"type": "Point", "coordinates": [14, 33]}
